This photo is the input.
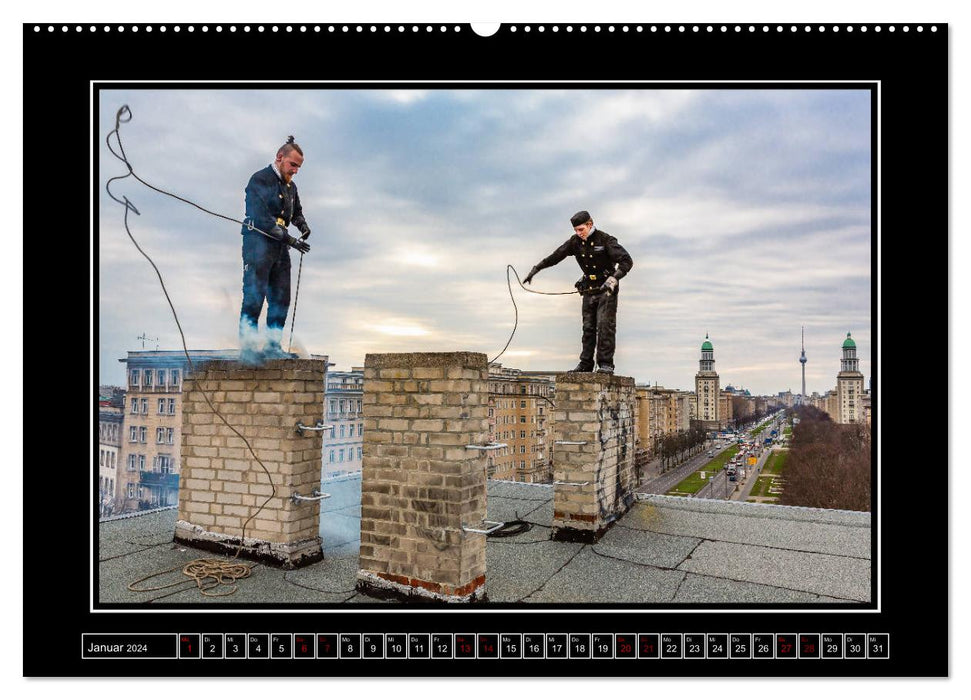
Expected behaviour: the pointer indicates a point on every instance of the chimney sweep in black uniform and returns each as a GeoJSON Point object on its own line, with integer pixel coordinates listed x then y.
{"type": "Point", "coordinates": [603, 261]}
{"type": "Point", "coordinates": [272, 204]}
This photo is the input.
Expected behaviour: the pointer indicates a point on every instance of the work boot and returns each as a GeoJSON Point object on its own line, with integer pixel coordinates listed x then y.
{"type": "Point", "coordinates": [249, 353]}
{"type": "Point", "coordinates": [250, 357]}
{"type": "Point", "coordinates": [583, 367]}
{"type": "Point", "coordinates": [273, 351]}
{"type": "Point", "coordinates": [605, 369]}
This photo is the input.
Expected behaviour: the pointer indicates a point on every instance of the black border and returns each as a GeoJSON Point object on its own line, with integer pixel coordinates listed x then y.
{"type": "Point", "coordinates": [911, 68]}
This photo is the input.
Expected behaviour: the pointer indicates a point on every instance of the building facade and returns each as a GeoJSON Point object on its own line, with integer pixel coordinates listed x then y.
{"type": "Point", "coordinates": [661, 412]}
{"type": "Point", "coordinates": [684, 403]}
{"type": "Point", "coordinates": [831, 404]}
{"type": "Point", "coordinates": [520, 417]}
{"type": "Point", "coordinates": [344, 442]}
{"type": "Point", "coordinates": [656, 415]}
{"type": "Point", "coordinates": [788, 399]}
{"type": "Point", "coordinates": [151, 436]}
{"type": "Point", "coordinates": [110, 425]}
{"type": "Point", "coordinates": [849, 386]}
{"type": "Point", "coordinates": [726, 408]}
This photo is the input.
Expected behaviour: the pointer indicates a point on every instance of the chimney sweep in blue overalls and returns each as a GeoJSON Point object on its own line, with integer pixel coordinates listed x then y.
{"type": "Point", "coordinates": [272, 204]}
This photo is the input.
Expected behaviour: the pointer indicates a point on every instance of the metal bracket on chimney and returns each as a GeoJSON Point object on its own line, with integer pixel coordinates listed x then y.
{"type": "Point", "coordinates": [315, 495]}
{"type": "Point", "coordinates": [466, 528]}
{"type": "Point", "coordinates": [489, 446]}
{"type": "Point", "coordinates": [300, 427]}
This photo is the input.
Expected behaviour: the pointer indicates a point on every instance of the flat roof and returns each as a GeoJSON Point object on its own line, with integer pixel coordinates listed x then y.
{"type": "Point", "coordinates": [665, 550]}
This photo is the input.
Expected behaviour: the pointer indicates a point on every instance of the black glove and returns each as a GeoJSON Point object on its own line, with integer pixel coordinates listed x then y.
{"type": "Point", "coordinates": [279, 234]}
{"type": "Point", "coordinates": [529, 277]}
{"type": "Point", "coordinates": [306, 234]}
{"type": "Point", "coordinates": [300, 245]}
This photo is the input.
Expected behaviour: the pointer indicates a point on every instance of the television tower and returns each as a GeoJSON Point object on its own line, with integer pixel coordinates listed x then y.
{"type": "Point", "coordinates": [802, 361]}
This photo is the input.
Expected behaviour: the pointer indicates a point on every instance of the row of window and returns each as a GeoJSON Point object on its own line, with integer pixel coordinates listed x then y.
{"type": "Point", "coordinates": [505, 388]}
{"type": "Point", "coordinates": [106, 487]}
{"type": "Point", "coordinates": [166, 407]}
{"type": "Point", "coordinates": [512, 404]}
{"type": "Point", "coordinates": [347, 385]}
{"type": "Point", "coordinates": [108, 459]}
{"type": "Point", "coordinates": [511, 435]}
{"type": "Point", "coordinates": [154, 377]}
{"type": "Point", "coordinates": [163, 436]}
{"type": "Point", "coordinates": [347, 433]}
{"type": "Point", "coordinates": [506, 451]}
{"type": "Point", "coordinates": [344, 405]}
{"type": "Point", "coordinates": [160, 463]}
{"type": "Point", "coordinates": [505, 420]}
{"type": "Point", "coordinates": [109, 432]}
{"type": "Point", "coordinates": [339, 456]}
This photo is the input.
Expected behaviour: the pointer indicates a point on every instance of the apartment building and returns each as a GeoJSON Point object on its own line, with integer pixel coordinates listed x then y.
{"type": "Point", "coordinates": [151, 435]}
{"type": "Point", "coordinates": [661, 412]}
{"type": "Point", "coordinates": [110, 425]}
{"type": "Point", "coordinates": [520, 417]}
{"type": "Point", "coordinates": [344, 441]}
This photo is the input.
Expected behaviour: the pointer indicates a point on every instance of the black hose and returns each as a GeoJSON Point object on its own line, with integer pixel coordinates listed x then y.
{"type": "Point", "coordinates": [513, 527]}
{"type": "Point", "coordinates": [516, 308]}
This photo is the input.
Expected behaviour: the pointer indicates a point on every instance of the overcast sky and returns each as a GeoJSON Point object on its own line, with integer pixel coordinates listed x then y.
{"type": "Point", "coordinates": [747, 214]}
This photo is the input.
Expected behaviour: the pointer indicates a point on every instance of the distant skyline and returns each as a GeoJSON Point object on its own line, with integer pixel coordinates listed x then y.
{"type": "Point", "coordinates": [747, 214]}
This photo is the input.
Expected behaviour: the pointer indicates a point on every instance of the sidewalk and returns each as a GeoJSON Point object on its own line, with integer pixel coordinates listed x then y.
{"type": "Point", "coordinates": [650, 471]}
{"type": "Point", "coordinates": [751, 476]}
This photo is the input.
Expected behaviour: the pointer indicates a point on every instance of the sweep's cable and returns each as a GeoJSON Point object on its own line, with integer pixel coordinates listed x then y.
{"type": "Point", "coordinates": [516, 308]}
{"type": "Point", "coordinates": [220, 571]}
{"type": "Point", "coordinates": [296, 298]}
{"type": "Point", "coordinates": [512, 528]}
{"type": "Point", "coordinates": [120, 118]}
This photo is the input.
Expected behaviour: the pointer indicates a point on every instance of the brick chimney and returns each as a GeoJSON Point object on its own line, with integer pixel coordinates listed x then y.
{"type": "Point", "coordinates": [422, 488]}
{"type": "Point", "coordinates": [222, 485]}
{"type": "Point", "coordinates": [594, 475]}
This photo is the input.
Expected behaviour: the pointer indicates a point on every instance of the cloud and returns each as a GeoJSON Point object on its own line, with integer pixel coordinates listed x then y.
{"type": "Point", "coordinates": [747, 214]}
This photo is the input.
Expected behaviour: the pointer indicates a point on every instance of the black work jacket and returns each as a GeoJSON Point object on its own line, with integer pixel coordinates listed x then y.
{"type": "Point", "coordinates": [600, 257]}
{"type": "Point", "coordinates": [270, 201]}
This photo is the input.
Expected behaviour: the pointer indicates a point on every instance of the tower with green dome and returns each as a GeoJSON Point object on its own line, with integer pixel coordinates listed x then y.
{"type": "Point", "coordinates": [707, 390]}
{"type": "Point", "coordinates": [849, 385]}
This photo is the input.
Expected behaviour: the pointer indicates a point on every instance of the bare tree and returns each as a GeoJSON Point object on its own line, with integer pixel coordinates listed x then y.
{"type": "Point", "coordinates": [829, 464]}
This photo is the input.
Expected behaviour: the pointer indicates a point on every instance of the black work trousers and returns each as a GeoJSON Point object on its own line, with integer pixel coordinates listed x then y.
{"type": "Point", "coordinates": [266, 276]}
{"type": "Point", "coordinates": [599, 329]}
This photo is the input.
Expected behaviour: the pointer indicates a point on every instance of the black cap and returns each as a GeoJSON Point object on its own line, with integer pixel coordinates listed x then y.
{"type": "Point", "coordinates": [581, 217]}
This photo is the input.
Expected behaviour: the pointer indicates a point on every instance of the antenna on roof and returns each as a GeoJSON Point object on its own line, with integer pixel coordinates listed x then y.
{"type": "Point", "coordinates": [143, 337]}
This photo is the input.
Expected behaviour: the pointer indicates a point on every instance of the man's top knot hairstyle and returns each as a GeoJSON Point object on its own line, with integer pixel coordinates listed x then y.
{"type": "Point", "coordinates": [290, 145]}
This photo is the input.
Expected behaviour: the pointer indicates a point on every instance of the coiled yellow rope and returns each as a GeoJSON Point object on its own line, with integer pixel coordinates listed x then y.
{"type": "Point", "coordinates": [207, 573]}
